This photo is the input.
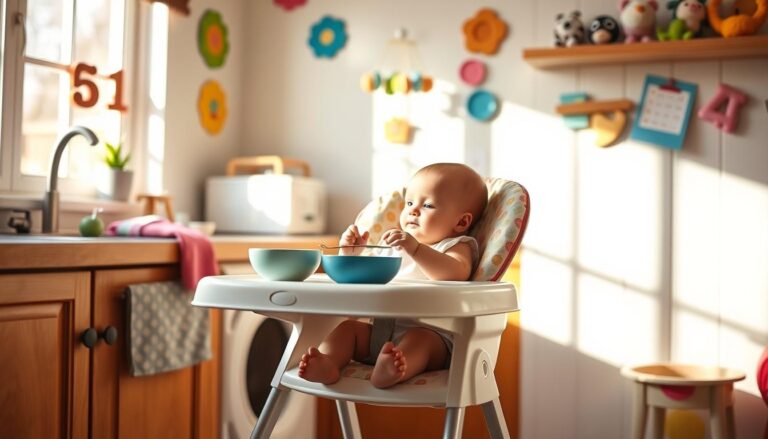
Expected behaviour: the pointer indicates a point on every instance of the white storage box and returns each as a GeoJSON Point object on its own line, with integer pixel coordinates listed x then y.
{"type": "Point", "coordinates": [275, 203]}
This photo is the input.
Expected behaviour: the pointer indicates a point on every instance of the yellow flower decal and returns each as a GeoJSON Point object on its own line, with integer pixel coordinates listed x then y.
{"type": "Point", "coordinates": [484, 32]}
{"type": "Point", "coordinates": [212, 107]}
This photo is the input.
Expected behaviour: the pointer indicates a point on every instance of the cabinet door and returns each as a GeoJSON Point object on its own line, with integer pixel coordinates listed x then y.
{"type": "Point", "coordinates": [175, 404]}
{"type": "Point", "coordinates": [43, 366]}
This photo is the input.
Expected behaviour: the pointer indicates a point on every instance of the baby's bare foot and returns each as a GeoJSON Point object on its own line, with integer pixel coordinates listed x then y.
{"type": "Point", "coordinates": [317, 367]}
{"type": "Point", "coordinates": [389, 368]}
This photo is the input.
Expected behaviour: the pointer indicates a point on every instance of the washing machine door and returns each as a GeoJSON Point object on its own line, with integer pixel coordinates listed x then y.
{"type": "Point", "coordinates": [252, 348]}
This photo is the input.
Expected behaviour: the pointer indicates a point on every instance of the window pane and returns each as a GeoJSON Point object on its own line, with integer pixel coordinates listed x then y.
{"type": "Point", "coordinates": [46, 36]}
{"type": "Point", "coordinates": [105, 123]}
{"type": "Point", "coordinates": [40, 121]}
{"type": "Point", "coordinates": [99, 34]}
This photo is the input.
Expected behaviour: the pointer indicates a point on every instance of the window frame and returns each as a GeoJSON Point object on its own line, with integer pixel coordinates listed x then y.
{"type": "Point", "coordinates": [14, 61]}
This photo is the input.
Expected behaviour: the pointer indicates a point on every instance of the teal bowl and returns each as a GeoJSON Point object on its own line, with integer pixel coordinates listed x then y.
{"type": "Point", "coordinates": [345, 269]}
{"type": "Point", "coordinates": [284, 264]}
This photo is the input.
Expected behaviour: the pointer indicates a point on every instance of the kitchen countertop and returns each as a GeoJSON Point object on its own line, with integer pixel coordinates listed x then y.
{"type": "Point", "coordinates": [33, 252]}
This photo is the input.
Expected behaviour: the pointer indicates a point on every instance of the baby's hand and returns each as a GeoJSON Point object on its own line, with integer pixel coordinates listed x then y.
{"type": "Point", "coordinates": [400, 240]}
{"type": "Point", "coordinates": [352, 236]}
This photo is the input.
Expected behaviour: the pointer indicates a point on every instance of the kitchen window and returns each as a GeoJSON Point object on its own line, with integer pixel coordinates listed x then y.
{"type": "Point", "coordinates": [43, 41]}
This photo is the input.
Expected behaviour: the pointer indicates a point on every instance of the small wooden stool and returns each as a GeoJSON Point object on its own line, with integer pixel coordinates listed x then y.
{"type": "Point", "coordinates": [678, 386]}
{"type": "Point", "coordinates": [151, 200]}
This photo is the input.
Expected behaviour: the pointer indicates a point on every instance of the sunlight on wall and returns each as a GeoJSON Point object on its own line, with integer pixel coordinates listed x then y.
{"type": "Point", "coordinates": [546, 298]}
{"type": "Point", "coordinates": [695, 248]}
{"type": "Point", "coordinates": [536, 150]}
{"type": "Point", "coordinates": [620, 210]}
{"type": "Point", "coordinates": [439, 134]}
{"type": "Point", "coordinates": [695, 337]}
{"type": "Point", "coordinates": [615, 324]}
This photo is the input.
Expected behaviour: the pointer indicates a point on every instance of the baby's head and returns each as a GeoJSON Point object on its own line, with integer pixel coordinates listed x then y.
{"type": "Point", "coordinates": [443, 200]}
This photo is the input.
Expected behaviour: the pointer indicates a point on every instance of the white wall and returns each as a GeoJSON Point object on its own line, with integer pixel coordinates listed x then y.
{"type": "Point", "coordinates": [633, 254]}
{"type": "Point", "coordinates": [191, 154]}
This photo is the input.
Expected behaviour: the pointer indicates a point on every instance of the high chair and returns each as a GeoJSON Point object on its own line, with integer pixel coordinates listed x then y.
{"type": "Point", "coordinates": [473, 311]}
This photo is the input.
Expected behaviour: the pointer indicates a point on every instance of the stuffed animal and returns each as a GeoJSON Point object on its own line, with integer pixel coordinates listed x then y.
{"type": "Point", "coordinates": [569, 30]}
{"type": "Point", "coordinates": [604, 29]}
{"type": "Point", "coordinates": [638, 18]}
{"type": "Point", "coordinates": [687, 16]}
{"type": "Point", "coordinates": [737, 25]}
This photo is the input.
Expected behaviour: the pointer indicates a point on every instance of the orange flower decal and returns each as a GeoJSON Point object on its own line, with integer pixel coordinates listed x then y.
{"type": "Point", "coordinates": [484, 32]}
{"type": "Point", "coordinates": [212, 107]}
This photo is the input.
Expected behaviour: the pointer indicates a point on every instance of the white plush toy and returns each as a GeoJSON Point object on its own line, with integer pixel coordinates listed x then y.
{"type": "Point", "coordinates": [638, 18]}
{"type": "Point", "coordinates": [569, 30]}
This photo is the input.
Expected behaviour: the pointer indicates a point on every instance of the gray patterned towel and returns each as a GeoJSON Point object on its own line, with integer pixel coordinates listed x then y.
{"type": "Point", "coordinates": [165, 332]}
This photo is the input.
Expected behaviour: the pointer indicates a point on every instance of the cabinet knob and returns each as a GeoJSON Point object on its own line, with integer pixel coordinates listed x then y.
{"type": "Point", "coordinates": [91, 336]}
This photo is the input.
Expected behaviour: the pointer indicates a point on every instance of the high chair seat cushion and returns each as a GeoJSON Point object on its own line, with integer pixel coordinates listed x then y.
{"type": "Point", "coordinates": [364, 371]}
{"type": "Point", "coordinates": [500, 228]}
{"type": "Point", "coordinates": [380, 215]}
{"type": "Point", "coordinates": [498, 231]}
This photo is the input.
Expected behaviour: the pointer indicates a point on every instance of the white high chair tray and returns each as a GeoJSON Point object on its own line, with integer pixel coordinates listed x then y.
{"type": "Point", "coordinates": [320, 295]}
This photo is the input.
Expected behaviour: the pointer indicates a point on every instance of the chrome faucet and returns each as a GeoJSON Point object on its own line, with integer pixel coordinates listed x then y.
{"type": "Point", "coordinates": [51, 200]}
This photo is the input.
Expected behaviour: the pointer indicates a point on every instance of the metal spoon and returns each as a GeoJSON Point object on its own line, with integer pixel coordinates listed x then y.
{"type": "Point", "coordinates": [323, 246]}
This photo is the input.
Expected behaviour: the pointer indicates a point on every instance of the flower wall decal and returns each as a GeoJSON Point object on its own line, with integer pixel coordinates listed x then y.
{"type": "Point", "coordinates": [484, 32]}
{"type": "Point", "coordinates": [290, 4]}
{"type": "Point", "coordinates": [212, 38]}
{"type": "Point", "coordinates": [212, 107]}
{"type": "Point", "coordinates": [327, 37]}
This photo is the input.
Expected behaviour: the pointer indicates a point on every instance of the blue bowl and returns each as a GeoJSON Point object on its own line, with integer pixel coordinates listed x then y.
{"type": "Point", "coordinates": [284, 264]}
{"type": "Point", "coordinates": [345, 269]}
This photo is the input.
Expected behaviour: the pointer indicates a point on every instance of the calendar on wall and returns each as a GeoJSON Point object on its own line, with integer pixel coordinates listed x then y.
{"type": "Point", "coordinates": [664, 112]}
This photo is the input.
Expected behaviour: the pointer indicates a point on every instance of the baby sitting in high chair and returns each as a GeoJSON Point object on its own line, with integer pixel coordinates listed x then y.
{"type": "Point", "coordinates": [442, 201]}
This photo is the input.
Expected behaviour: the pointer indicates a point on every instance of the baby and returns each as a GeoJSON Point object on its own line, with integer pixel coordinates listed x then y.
{"type": "Point", "coordinates": [442, 201]}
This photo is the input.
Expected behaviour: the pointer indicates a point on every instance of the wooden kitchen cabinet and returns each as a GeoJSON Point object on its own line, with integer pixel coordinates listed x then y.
{"type": "Point", "coordinates": [53, 386]}
{"type": "Point", "coordinates": [44, 369]}
{"type": "Point", "coordinates": [176, 404]}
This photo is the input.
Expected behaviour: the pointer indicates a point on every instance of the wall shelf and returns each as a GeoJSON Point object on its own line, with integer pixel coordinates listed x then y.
{"type": "Point", "coordinates": [755, 46]}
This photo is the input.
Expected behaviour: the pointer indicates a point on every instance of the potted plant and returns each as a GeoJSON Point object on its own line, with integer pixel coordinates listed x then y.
{"type": "Point", "coordinates": [117, 181]}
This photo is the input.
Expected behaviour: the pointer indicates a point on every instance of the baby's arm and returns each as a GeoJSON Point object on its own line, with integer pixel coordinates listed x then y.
{"type": "Point", "coordinates": [454, 264]}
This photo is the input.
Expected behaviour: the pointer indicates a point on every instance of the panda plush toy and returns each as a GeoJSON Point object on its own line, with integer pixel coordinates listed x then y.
{"type": "Point", "coordinates": [569, 30]}
{"type": "Point", "coordinates": [604, 29]}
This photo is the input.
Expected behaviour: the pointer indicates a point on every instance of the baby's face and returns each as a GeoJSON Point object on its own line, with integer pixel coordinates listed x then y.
{"type": "Point", "coordinates": [432, 210]}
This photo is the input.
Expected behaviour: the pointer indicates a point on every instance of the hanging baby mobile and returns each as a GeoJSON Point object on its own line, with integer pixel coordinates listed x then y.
{"type": "Point", "coordinates": [327, 37]}
{"type": "Point", "coordinates": [288, 5]}
{"type": "Point", "coordinates": [399, 78]}
{"type": "Point", "coordinates": [212, 39]}
{"type": "Point", "coordinates": [212, 107]}
{"type": "Point", "coordinates": [483, 34]}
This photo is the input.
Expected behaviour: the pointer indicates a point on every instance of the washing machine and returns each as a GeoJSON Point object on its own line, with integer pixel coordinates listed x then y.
{"type": "Point", "coordinates": [252, 346]}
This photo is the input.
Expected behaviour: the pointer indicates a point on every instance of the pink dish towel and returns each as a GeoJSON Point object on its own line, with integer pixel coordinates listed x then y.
{"type": "Point", "coordinates": [195, 249]}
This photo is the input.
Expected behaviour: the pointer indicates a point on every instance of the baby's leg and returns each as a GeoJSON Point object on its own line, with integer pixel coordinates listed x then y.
{"type": "Point", "coordinates": [348, 340]}
{"type": "Point", "coordinates": [420, 349]}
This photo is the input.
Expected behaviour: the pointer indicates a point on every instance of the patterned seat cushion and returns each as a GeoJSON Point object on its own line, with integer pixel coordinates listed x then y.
{"type": "Point", "coordinates": [498, 232]}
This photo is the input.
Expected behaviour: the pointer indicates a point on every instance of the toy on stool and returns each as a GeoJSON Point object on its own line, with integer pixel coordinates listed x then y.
{"type": "Point", "coordinates": [604, 29]}
{"type": "Point", "coordinates": [687, 16]}
{"type": "Point", "coordinates": [638, 17]}
{"type": "Point", "coordinates": [729, 120]}
{"type": "Point", "coordinates": [739, 24]}
{"type": "Point", "coordinates": [569, 30]}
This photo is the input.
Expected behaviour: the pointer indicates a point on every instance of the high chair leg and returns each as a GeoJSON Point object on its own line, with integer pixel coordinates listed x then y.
{"type": "Point", "coordinates": [350, 426]}
{"type": "Point", "coordinates": [494, 419]}
{"type": "Point", "coordinates": [269, 414]}
{"type": "Point", "coordinates": [454, 422]}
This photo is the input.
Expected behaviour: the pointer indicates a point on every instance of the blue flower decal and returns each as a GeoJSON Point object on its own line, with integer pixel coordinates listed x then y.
{"type": "Point", "coordinates": [327, 37]}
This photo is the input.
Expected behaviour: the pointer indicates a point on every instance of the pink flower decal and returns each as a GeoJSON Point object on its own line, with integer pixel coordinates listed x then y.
{"type": "Point", "coordinates": [290, 4]}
